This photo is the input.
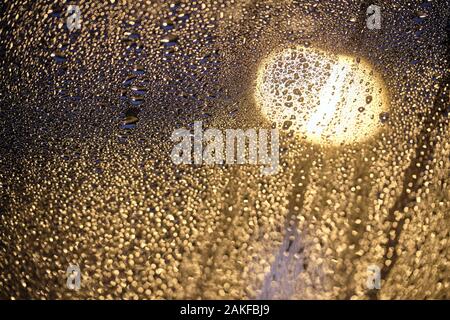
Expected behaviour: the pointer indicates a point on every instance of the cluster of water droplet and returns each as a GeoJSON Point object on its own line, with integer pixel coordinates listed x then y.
{"type": "Point", "coordinates": [86, 177]}
{"type": "Point", "coordinates": [323, 97]}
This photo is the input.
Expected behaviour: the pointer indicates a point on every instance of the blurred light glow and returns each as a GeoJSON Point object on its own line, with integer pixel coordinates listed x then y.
{"type": "Point", "coordinates": [325, 98]}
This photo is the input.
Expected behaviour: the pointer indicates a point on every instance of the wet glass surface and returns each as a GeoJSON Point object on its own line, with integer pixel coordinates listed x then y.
{"type": "Point", "coordinates": [86, 176]}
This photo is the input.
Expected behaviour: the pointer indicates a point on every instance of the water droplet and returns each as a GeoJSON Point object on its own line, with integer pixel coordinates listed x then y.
{"type": "Point", "coordinates": [59, 57]}
{"type": "Point", "coordinates": [169, 40]}
{"type": "Point", "coordinates": [384, 117]}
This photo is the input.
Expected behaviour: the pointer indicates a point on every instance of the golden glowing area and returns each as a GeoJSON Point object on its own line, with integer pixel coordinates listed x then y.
{"type": "Point", "coordinates": [325, 98]}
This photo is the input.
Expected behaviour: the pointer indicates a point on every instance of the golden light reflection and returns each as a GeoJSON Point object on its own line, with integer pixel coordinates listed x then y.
{"type": "Point", "coordinates": [325, 98]}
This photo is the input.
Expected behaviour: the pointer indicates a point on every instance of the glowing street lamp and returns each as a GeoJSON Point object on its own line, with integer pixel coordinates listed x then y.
{"type": "Point", "coordinates": [325, 98]}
